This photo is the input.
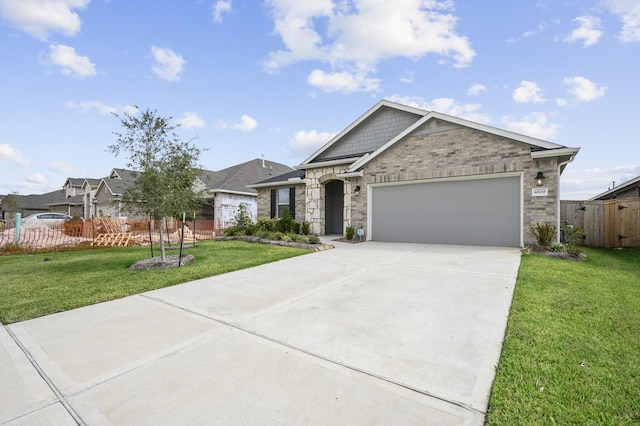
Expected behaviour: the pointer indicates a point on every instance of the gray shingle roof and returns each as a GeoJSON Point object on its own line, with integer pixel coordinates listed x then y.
{"type": "Point", "coordinates": [285, 177]}
{"type": "Point", "coordinates": [236, 178]}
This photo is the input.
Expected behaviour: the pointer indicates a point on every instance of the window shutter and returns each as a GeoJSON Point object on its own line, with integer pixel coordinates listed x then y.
{"type": "Point", "coordinates": [292, 202]}
{"type": "Point", "coordinates": [273, 203]}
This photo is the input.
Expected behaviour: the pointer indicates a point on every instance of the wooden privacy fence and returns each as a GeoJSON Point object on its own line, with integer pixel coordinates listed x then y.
{"type": "Point", "coordinates": [610, 223]}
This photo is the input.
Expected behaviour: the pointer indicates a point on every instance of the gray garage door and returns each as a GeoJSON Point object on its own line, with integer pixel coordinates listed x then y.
{"type": "Point", "coordinates": [472, 212]}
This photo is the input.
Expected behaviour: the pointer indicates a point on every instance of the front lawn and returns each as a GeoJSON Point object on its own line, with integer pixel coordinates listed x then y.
{"type": "Point", "coordinates": [41, 284]}
{"type": "Point", "coordinates": [572, 349]}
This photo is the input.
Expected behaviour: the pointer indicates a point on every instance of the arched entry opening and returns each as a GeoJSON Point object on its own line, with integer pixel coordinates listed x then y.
{"type": "Point", "coordinates": [334, 207]}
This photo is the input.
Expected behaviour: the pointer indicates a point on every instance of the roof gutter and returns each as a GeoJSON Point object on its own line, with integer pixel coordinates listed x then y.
{"type": "Point", "coordinates": [227, 191]}
{"type": "Point", "coordinates": [359, 173]}
{"type": "Point", "coordinates": [327, 163]}
{"type": "Point", "coordinates": [288, 182]}
{"type": "Point", "coordinates": [555, 153]}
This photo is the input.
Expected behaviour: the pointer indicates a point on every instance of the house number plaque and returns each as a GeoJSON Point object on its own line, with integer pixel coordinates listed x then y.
{"type": "Point", "coordinates": [540, 192]}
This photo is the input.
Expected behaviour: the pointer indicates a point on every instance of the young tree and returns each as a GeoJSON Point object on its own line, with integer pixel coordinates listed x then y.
{"type": "Point", "coordinates": [165, 167]}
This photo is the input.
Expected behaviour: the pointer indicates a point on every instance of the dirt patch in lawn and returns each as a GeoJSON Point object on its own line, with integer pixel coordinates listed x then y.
{"type": "Point", "coordinates": [157, 263]}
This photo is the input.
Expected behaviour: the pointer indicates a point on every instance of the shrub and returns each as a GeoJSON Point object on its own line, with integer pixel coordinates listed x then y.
{"type": "Point", "coordinates": [313, 239]}
{"type": "Point", "coordinates": [298, 238]}
{"type": "Point", "coordinates": [306, 228]}
{"type": "Point", "coordinates": [232, 231]}
{"type": "Point", "coordinates": [285, 223]}
{"type": "Point", "coordinates": [558, 247]}
{"type": "Point", "coordinates": [575, 236]}
{"type": "Point", "coordinates": [544, 233]}
{"type": "Point", "coordinates": [350, 232]}
{"type": "Point", "coordinates": [296, 228]}
{"type": "Point", "coordinates": [267, 225]}
{"type": "Point", "coordinates": [242, 217]}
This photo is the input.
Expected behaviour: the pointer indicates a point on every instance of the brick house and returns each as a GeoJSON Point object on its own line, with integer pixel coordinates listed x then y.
{"type": "Point", "coordinates": [406, 174]}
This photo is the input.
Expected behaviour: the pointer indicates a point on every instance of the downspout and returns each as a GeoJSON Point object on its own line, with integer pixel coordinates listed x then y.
{"type": "Point", "coordinates": [564, 163]}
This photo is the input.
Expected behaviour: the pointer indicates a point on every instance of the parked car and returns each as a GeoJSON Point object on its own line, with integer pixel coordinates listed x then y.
{"type": "Point", "coordinates": [45, 219]}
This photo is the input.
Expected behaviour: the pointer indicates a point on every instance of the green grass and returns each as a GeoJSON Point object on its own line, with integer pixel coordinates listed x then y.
{"type": "Point", "coordinates": [572, 349]}
{"type": "Point", "coordinates": [31, 287]}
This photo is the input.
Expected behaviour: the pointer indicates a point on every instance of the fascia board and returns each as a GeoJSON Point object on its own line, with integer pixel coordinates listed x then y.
{"type": "Point", "coordinates": [554, 153]}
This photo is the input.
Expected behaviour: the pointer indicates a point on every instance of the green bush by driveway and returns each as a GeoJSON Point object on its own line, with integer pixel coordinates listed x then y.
{"type": "Point", "coordinates": [572, 349]}
{"type": "Point", "coordinates": [36, 285]}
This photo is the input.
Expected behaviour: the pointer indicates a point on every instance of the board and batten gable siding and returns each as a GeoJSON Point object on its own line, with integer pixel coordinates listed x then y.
{"type": "Point", "coordinates": [455, 152]}
{"type": "Point", "coordinates": [379, 128]}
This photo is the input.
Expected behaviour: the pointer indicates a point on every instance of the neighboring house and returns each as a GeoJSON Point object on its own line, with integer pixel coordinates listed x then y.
{"type": "Point", "coordinates": [629, 189]}
{"type": "Point", "coordinates": [54, 201]}
{"type": "Point", "coordinates": [405, 174]}
{"type": "Point", "coordinates": [107, 200]}
{"type": "Point", "coordinates": [227, 189]}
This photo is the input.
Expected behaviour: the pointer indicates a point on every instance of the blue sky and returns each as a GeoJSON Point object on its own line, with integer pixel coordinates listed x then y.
{"type": "Point", "coordinates": [279, 77]}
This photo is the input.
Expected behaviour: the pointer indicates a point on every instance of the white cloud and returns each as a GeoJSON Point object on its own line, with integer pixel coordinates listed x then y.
{"type": "Point", "coordinates": [407, 77]}
{"type": "Point", "coordinates": [528, 92]}
{"type": "Point", "coordinates": [246, 124]}
{"type": "Point", "coordinates": [476, 88]}
{"type": "Point", "coordinates": [169, 65]}
{"type": "Point", "coordinates": [583, 89]}
{"type": "Point", "coordinates": [36, 178]}
{"type": "Point", "coordinates": [539, 29]}
{"type": "Point", "coordinates": [190, 120]}
{"type": "Point", "coordinates": [10, 155]}
{"type": "Point", "coordinates": [343, 81]}
{"type": "Point", "coordinates": [353, 37]}
{"type": "Point", "coordinates": [60, 167]}
{"type": "Point", "coordinates": [629, 12]}
{"type": "Point", "coordinates": [589, 31]}
{"type": "Point", "coordinates": [103, 109]}
{"type": "Point", "coordinates": [306, 142]}
{"type": "Point", "coordinates": [71, 63]}
{"type": "Point", "coordinates": [220, 8]}
{"type": "Point", "coordinates": [536, 125]}
{"type": "Point", "coordinates": [39, 18]}
{"type": "Point", "coordinates": [447, 106]}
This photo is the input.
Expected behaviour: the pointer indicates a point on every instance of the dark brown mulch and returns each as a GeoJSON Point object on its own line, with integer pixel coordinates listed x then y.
{"type": "Point", "coordinates": [351, 241]}
{"type": "Point", "coordinates": [157, 263]}
{"type": "Point", "coordinates": [254, 239]}
{"type": "Point", "coordinates": [578, 257]}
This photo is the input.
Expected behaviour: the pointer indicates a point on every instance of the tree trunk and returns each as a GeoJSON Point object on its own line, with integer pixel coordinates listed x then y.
{"type": "Point", "coordinates": [163, 256]}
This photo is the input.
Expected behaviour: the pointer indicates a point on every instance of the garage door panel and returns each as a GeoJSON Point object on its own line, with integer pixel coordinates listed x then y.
{"type": "Point", "coordinates": [473, 212]}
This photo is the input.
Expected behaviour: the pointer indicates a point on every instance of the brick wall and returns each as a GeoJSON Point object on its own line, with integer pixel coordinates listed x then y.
{"type": "Point", "coordinates": [456, 152]}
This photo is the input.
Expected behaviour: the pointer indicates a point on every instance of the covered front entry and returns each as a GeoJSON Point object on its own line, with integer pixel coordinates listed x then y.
{"type": "Point", "coordinates": [334, 207]}
{"type": "Point", "coordinates": [483, 212]}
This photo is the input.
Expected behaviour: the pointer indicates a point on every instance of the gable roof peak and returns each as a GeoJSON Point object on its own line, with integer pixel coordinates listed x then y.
{"type": "Point", "coordinates": [381, 105]}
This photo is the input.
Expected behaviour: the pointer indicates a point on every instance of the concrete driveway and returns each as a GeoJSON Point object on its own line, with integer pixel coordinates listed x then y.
{"type": "Point", "coordinates": [371, 333]}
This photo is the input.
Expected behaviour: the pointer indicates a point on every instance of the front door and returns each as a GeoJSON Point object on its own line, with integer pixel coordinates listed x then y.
{"type": "Point", "coordinates": [334, 207]}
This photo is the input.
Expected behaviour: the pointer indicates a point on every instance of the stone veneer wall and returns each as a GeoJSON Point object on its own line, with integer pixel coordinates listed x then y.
{"type": "Point", "coordinates": [315, 180]}
{"type": "Point", "coordinates": [463, 152]}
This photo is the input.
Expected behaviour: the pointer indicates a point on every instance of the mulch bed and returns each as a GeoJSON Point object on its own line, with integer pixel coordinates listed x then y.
{"type": "Point", "coordinates": [157, 263]}
{"type": "Point", "coordinates": [577, 257]}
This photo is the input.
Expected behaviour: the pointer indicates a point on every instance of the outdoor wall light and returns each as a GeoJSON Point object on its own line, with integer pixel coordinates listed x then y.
{"type": "Point", "coordinates": [540, 179]}
{"type": "Point", "coordinates": [357, 189]}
